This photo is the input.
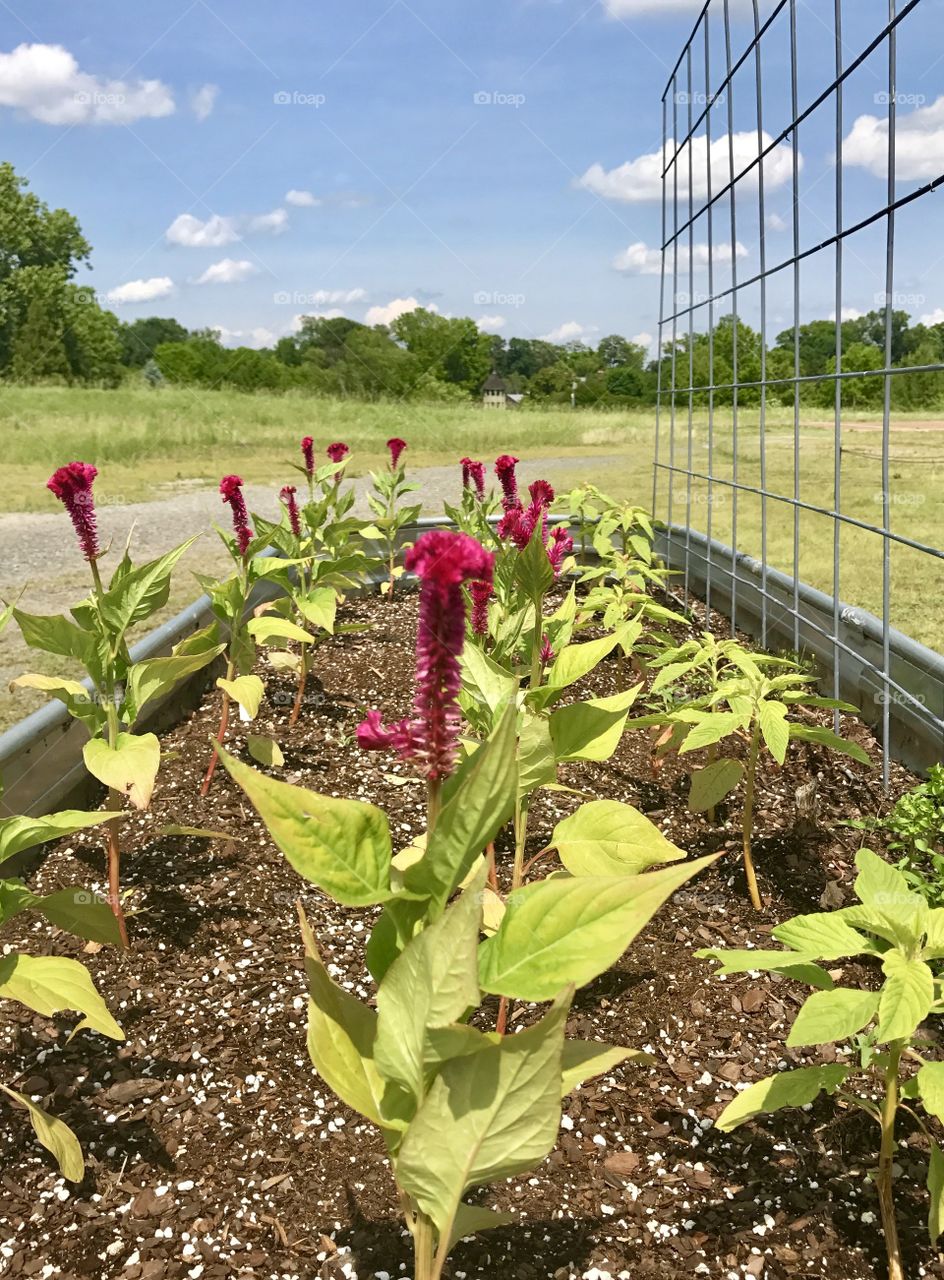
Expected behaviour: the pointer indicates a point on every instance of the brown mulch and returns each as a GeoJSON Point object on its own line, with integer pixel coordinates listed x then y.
{"type": "Point", "coordinates": [215, 1151]}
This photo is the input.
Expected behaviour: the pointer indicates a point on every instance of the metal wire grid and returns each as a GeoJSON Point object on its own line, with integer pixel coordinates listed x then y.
{"type": "Point", "coordinates": [677, 400]}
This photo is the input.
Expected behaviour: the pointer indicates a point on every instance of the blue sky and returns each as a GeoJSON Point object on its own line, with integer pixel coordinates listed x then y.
{"type": "Point", "coordinates": [236, 164]}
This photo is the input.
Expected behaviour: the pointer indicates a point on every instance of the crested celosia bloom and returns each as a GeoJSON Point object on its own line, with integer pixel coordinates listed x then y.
{"type": "Point", "coordinates": [519, 523]}
{"type": "Point", "coordinates": [481, 593]}
{"type": "Point", "coordinates": [473, 477]}
{"type": "Point", "coordinates": [287, 494]}
{"type": "Point", "coordinates": [547, 653]}
{"type": "Point", "coordinates": [72, 485]}
{"type": "Point", "coordinates": [505, 470]}
{"type": "Point", "coordinates": [443, 561]}
{"type": "Point", "coordinates": [396, 447]}
{"type": "Point", "coordinates": [231, 487]}
{"type": "Point", "coordinates": [337, 452]}
{"type": "Point", "coordinates": [308, 453]}
{"type": "Point", "coordinates": [561, 545]}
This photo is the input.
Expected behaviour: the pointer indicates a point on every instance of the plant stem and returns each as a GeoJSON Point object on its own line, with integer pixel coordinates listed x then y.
{"type": "Point", "coordinates": [302, 682]}
{"type": "Point", "coordinates": [537, 641]}
{"type": "Point", "coordinates": [501, 1020]}
{"type": "Point", "coordinates": [424, 1247]}
{"type": "Point", "coordinates": [712, 757]}
{"type": "Point", "coordinates": [114, 868]}
{"type": "Point", "coordinates": [886, 1197]}
{"type": "Point", "coordinates": [221, 733]}
{"type": "Point", "coordinates": [433, 804]}
{"type": "Point", "coordinates": [492, 869]}
{"type": "Point", "coordinates": [521, 840]}
{"type": "Point", "coordinates": [748, 818]}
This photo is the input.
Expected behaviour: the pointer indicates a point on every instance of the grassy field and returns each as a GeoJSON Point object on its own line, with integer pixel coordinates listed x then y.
{"type": "Point", "coordinates": [152, 444]}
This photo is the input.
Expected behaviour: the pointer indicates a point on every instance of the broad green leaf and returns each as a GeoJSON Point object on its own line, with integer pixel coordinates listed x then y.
{"type": "Point", "coordinates": [268, 628]}
{"type": "Point", "coordinates": [895, 912]}
{"type": "Point", "coordinates": [788, 1089]}
{"type": "Point", "coordinates": [142, 591]}
{"type": "Point", "coordinates": [711, 784]}
{"type": "Point", "coordinates": [669, 674]}
{"type": "Point", "coordinates": [826, 738]}
{"type": "Point", "coordinates": [487, 1116]}
{"type": "Point", "coordinates": [485, 680]}
{"type": "Point", "coordinates": [801, 968]}
{"type": "Point", "coordinates": [400, 920]}
{"type": "Point", "coordinates": [532, 568]}
{"type": "Point", "coordinates": [472, 1218]}
{"type": "Point", "coordinates": [930, 1081]}
{"type": "Point", "coordinates": [710, 728]}
{"type": "Point", "coordinates": [56, 634]}
{"type": "Point", "coordinates": [609, 838]}
{"type": "Point", "coordinates": [247, 691]}
{"type": "Point", "coordinates": [878, 883]}
{"type": "Point", "coordinates": [265, 750]}
{"type": "Point", "coordinates": [55, 1135]}
{"type": "Point", "coordinates": [907, 996]}
{"type": "Point", "coordinates": [50, 984]}
{"type": "Point", "coordinates": [824, 936]}
{"type": "Point", "coordinates": [149, 680]}
{"type": "Point", "coordinates": [936, 1193]}
{"type": "Point", "coordinates": [432, 983]}
{"type": "Point", "coordinates": [478, 801]}
{"type": "Point", "coordinates": [80, 912]}
{"type": "Point", "coordinates": [828, 1016]}
{"type": "Point", "coordinates": [591, 730]}
{"type": "Point", "coordinates": [537, 763]}
{"type": "Point", "coordinates": [572, 929]}
{"type": "Point", "coordinates": [14, 898]}
{"type": "Point", "coordinates": [584, 1059]}
{"type": "Point", "coordinates": [578, 660]}
{"type": "Point", "coordinates": [934, 939]}
{"type": "Point", "coordinates": [130, 767]}
{"type": "Point", "coordinates": [342, 846]}
{"type": "Point", "coordinates": [319, 608]}
{"type": "Point", "coordinates": [72, 693]}
{"type": "Point", "coordinates": [774, 728]}
{"type": "Point", "coordinates": [19, 833]}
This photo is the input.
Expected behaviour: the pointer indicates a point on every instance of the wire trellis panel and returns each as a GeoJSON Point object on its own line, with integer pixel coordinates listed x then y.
{"type": "Point", "coordinates": [713, 185]}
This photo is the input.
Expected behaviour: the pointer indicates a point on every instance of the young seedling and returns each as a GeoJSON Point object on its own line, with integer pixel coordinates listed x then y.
{"type": "Point", "coordinates": [897, 935]}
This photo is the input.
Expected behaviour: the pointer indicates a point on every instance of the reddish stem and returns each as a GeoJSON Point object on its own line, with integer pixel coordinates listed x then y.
{"type": "Point", "coordinates": [501, 1022]}
{"type": "Point", "coordinates": [114, 871]}
{"type": "Point", "coordinates": [224, 725]}
{"type": "Point", "coordinates": [300, 694]}
{"type": "Point", "coordinates": [492, 870]}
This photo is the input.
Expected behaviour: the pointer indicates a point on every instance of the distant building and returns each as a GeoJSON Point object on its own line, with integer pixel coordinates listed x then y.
{"type": "Point", "coordinates": [496, 394]}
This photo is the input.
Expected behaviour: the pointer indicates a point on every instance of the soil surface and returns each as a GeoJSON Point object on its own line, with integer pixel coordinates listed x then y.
{"type": "Point", "coordinates": [213, 1149]}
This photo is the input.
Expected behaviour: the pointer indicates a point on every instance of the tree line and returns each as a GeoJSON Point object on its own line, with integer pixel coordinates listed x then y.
{"type": "Point", "coordinates": [54, 330]}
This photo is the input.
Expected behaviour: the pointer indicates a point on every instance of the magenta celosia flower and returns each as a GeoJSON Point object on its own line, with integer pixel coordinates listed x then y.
{"type": "Point", "coordinates": [72, 485]}
{"type": "Point", "coordinates": [308, 453]}
{"type": "Point", "coordinates": [337, 452]}
{"type": "Point", "coordinates": [481, 593]}
{"type": "Point", "coordinates": [231, 487]}
{"type": "Point", "coordinates": [547, 653]}
{"type": "Point", "coordinates": [542, 493]}
{"type": "Point", "coordinates": [396, 447]}
{"type": "Point", "coordinates": [505, 470]}
{"type": "Point", "coordinates": [443, 561]}
{"type": "Point", "coordinates": [473, 477]}
{"type": "Point", "coordinates": [561, 545]}
{"type": "Point", "coordinates": [518, 525]}
{"type": "Point", "coordinates": [287, 494]}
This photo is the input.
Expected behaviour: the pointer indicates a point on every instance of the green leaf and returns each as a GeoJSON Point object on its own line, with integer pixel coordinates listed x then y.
{"type": "Point", "coordinates": [487, 1116]}
{"type": "Point", "coordinates": [930, 1080]}
{"type": "Point", "coordinates": [472, 1218]}
{"type": "Point", "coordinates": [78, 911]}
{"type": "Point", "coordinates": [788, 1089]}
{"type": "Point", "coordinates": [669, 674]}
{"type": "Point", "coordinates": [936, 1193]}
{"type": "Point", "coordinates": [711, 784]}
{"type": "Point", "coordinates": [56, 634]}
{"type": "Point", "coordinates": [710, 728]}
{"type": "Point", "coordinates": [19, 833]}
{"type": "Point", "coordinates": [72, 693]}
{"type": "Point", "coordinates": [609, 838]}
{"type": "Point", "coordinates": [265, 750]}
{"type": "Point", "coordinates": [342, 846]}
{"type": "Point", "coordinates": [907, 996]}
{"type": "Point", "coordinates": [269, 628]}
{"type": "Point", "coordinates": [55, 1135]}
{"type": "Point", "coordinates": [591, 730]}
{"type": "Point", "coordinates": [824, 936]}
{"type": "Point", "coordinates": [578, 660]}
{"type": "Point", "coordinates": [141, 592]}
{"type": "Point", "coordinates": [584, 1059]}
{"type": "Point", "coordinates": [49, 984]}
{"type": "Point", "coordinates": [533, 572]}
{"type": "Point", "coordinates": [537, 763]}
{"type": "Point", "coordinates": [149, 680]}
{"type": "Point", "coordinates": [571, 930]}
{"type": "Point", "coordinates": [432, 983]}
{"type": "Point", "coordinates": [890, 908]}
{"type": "Point", "coordinates": [485, 681]}
{"type": "Point", "coordinates": [130, 767]}
{"type": "Point", "coordinates": [247, 691]}
{"type": "Point", "coordinates": [826, 738]}
{"type": "Point", "coordinates": [800, 968]}
{"type": "Point", "coordinates": [828, 1016]}
{"type": "Point", "coordinates": [319, 608]}
{"type": "Point", "coordinates": [772, 717]}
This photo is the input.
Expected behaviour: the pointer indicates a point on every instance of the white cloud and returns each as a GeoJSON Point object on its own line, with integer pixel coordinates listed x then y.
{"type": "Point", "coordinates": [641, 260]}
{"type": "Point", "coordinates": [640, 180]}
{"type": "Point", "coordinates": [197, 234]}
{"type": "Point", "coordinates": [643, 340]}
{"type": "Point", "coordinates": [331, 297]}
{"type": "Point", "coordinates": [933, 317]}
{"type": "Point", "coordinates": [245, 337]}
{"type": "Point", "coordinates": [332, 314]}
{"type": "Point", "coordinates": [398, 307]}
{"type": "Point", "coordinates": [141, 290]}
{"type": "Point", "coordinates": [919, 143]}
{"type": "Point", "coordinates": [491, 324]}
{"type": "Point", "coordinates": [848, 313]}
{"type": "Point", "coordinates": [228, 271]}
{"type": "Point", "coordinates": [302, 199]}
{"type": "Point", "coordinates": [774, 222]}
{"type": "Point", "coordinates": [569, 331]}
{"type": "Point", "coordinates": [204, 100]}
{"type": "Point", "coordinates": [45, 81]}
{"type": "Point", "coordinates": [276, 221]}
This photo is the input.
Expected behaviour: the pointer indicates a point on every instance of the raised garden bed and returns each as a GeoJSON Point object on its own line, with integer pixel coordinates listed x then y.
{"type": "Point", "coordinates": [214, 1150]}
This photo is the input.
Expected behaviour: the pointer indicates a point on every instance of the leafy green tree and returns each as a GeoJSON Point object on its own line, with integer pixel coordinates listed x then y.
{"type": "Point", "coordinates": [141, 338]}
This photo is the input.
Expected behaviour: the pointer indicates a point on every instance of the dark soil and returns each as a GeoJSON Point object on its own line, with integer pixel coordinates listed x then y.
{"type": "Point", "coordinates": [214, 1150]}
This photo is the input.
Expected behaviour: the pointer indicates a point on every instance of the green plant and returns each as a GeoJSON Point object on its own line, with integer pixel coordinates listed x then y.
{"type": "Point", "coordinates": [916, 826]}
{"type": "Point", "coordinates": [894, 932]}
{"type": "Point", "coordinates": [390, 487]}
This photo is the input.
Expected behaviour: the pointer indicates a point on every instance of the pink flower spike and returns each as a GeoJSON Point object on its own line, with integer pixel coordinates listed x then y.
{"type": "Point", "coordinates": [542, 493]}
{"type": "Point", "coordinates": [72, 485]}
{"type": "Point", "coordinates": [308, 453]}
{"type": "Point", "coordinates": [473, 477]}
{"type": "Point", "coordinates": [396, 447]}
{"type": "Point", "coordinates": [287, 494]}
{"type": "Point", "coordinates": [561, 546]}
{"type": "Point", "coordinates": [547, 653]}
{"type": "Point", "coordinates": [231, 488]}
{"type": "Point", "coordinates": [481, 593]}
{"type": "Point", "coordinates": [505, 470]}
{"type": "Point", "coordinates": [373, 735]}
{"type": "Point", "coordinates": [337, 452]}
